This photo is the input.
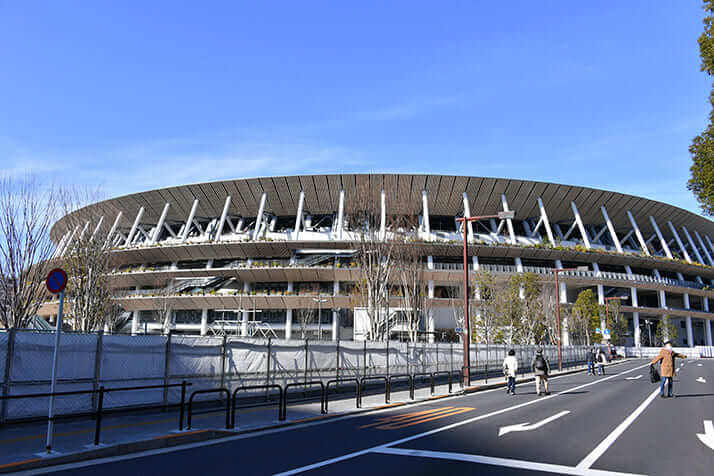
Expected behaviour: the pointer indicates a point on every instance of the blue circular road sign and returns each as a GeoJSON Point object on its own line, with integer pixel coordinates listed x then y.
{"type": "Point", "coordinates": [56, 281]}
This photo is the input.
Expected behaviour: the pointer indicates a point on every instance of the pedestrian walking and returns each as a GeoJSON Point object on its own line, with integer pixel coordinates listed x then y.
{"type": "Point", "coordinates": [591, 361]}
{"type": "Point", "coordinates": [601, 361]}
{"type": "Point", "coordinates": [510, 368]}
{"type": "Point", "coordinates": [666, 358]}
{"type": "Point", "coordinates": [541, 369]}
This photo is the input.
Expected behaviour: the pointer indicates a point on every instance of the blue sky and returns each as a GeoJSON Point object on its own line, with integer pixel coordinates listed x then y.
{"type": "Point", "coordinates": [138, 95]}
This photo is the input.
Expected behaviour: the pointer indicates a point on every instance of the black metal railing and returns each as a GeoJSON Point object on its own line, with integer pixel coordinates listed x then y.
{"type": "Point", "coordinates": [220, 390]}
{"type": "Point", "coordinates": [256, 387]}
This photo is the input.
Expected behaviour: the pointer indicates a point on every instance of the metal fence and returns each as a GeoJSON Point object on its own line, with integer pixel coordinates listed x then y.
{"type": "Point", "coordinates": [91, 361]}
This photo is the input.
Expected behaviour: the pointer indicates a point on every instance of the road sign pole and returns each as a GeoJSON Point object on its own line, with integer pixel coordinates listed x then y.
{"type": "Point", "coordinates": [51, 412]}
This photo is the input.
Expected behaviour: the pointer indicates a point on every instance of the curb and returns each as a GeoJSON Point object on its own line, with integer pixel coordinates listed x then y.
{"type": "Point", "coordinates": [177, 439]}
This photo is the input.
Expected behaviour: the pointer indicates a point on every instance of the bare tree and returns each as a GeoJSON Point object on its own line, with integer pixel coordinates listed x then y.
{"type": "Point", "coordinates": [456, 301]}
{"type": "Point", "coordinates": [27, 212]}
{"type": "Point", "coordinates": [410, 273]}
{"type": "Point", "coordinates": [87, 261]}
{"type": "Point", "coordinates": [533, 321]}
{"type": "Point", "coordinates": [487, 305]}
{"type": "Point", "coordinates": [306, 316]}
{"type": "Point", "coordinates": [375, 256]}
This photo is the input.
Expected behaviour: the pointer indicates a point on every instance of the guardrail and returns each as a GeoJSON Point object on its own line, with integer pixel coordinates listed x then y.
{"type": "Point", "coordinates": [100, 411]}
{"type": "Point", "coordinates": [377, 377]}
{"type": "Point", "coordinates": [358, 390]}
{"type": "Point", "coordinates": [210, 390]}
{"type": "Point", "coordinates": [424, 374]}
{"type": "Point", "coordinates": [304, 384]}
{"type": "Point", "coordinates": [256, 387]}
{"type": "Point", "coordinates": [411, 384]}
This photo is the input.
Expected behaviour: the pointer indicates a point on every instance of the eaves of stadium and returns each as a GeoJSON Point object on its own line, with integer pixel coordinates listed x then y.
{"type": "Point", "coordinates": [245, 256]}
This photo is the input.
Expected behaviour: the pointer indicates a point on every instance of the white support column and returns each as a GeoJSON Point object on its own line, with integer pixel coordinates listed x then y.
{"type": "Point", "coordinates": [289, 317]}
{"type": "Point", "coordinates": [204, 322]}
{"type": "Point", "coordinates": [222, 221]}
{"type": "Point", "coordinates": [635, 314]}
{"type": "Point", "coordinates": [581, 226]}
{"type": "Point", "coordinates": [679, 242]}
{"type": "Point", "coordinates": [708, 331]}
{"type": "Point", "coordinates": [244, 317]}
{"type": "Point", "coordinates": [563, 292]}
{"type": "Point", "coordinates": [691, 243]}
{"type": "Point", "coordinates": [160, 224]}
{"type": "Point", "coordinates": [709, 242]}
{"type": "Point", "coordinates": [467, 214]}
{"type": "Point", "coordinates": [84, 230]}
{"type": "Point", "coordinates": [335, 314]}
{"type": "Point", "coordinates": [130, 236]}
{"type": "Point", "coordinates": [430, 295]}
{"type": "Point", "coordinates": [113, 229]}
{"type": "Point", "coordinates": [383, 216]}
{"type": "Point", "coordinates": [340, 215]}
{"type": "Point", "coordinates": [189, 221]}
{"type": "Point", "coordinates": [135, 320]}
{"type": "Point", "coordinates": [690, 334]}
{"type": "Point", "coordinates": [611, 229]}
{"type": "Point", "coordinates": [96, 228]}
{"type": "Point", "coordinates": [259, 218]}
{"type": "Point", "coordinates": [298, 215]}
{"type": "Point", "coordinates": [704, 248]}
{"type": "Point", "coordinates": [61, 245]}
{"type": "Point", "coordinates": [425, 214]}
{"type": "Point", "coordinates": [509, 222]}
{"type": "Point", "coordinates": [546, 222]}
{"type": "Point", "coordinates": [662, 241]}
{"type": "Point", "coordinates": [600, 293]}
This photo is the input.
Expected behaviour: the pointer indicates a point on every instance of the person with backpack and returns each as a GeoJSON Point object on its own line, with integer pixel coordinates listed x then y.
{"type": "Point", "coordinates": [541, 369]}
{"type": "Point", "coordinates": [666, 358]}
{"type": "Point", "coordinates": [590, 356]}
{"type": "Point", "coordinates": [601, 361]}
{"type": "Point", "coordinates": [510, 367]}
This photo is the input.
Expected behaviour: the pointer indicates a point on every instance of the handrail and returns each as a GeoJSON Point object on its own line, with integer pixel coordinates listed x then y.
{"type": "Point", "coordinates": [425, 374]}
{"type": "Point", "coordinates": [411, 383]}
{"type": "Point", "coordinates": [377, 377]}
{"type": "Point", "coordinates": [442, 372]}
{"type": "Point", "coordinates": [255, 387]}
{"type": "Point", "coordinates": [211, 390]}
{"type": "Point", "coordinates": [82, 392]}
{"type": "Point", "coordinates": [303, 384]}
{"type": "Point", "coordinates": [358, 391]}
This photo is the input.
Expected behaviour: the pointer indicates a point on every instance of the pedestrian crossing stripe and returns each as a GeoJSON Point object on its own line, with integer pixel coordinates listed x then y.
{"type": "Point", "coordinates": [395, 422]}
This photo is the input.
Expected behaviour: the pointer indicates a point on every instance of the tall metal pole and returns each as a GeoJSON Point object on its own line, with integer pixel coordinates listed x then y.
{"type": "Point", "coordinates": [51, 412]}
{"type": "Point", "coordinates": [467, 333]}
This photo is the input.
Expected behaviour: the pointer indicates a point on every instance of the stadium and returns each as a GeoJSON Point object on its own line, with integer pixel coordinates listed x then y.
{"type": "Point", "coordinates": [277, 256]}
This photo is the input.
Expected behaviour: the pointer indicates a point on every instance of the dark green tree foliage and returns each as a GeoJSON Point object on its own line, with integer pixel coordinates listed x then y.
{"type": "Point", "coordinates": [701, 182]}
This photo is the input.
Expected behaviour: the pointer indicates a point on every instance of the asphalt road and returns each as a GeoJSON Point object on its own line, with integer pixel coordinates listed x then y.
{"type": "Point", "coordinates": [614, 424]}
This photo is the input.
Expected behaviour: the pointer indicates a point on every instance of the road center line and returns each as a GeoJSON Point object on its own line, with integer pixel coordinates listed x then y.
{"type": "Point", "coordinates": [448, 427]}
{"type": "Point", "coordinates": [590, 459]}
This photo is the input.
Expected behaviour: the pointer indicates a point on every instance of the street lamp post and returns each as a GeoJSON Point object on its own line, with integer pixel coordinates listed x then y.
{"type": "Point", "coordinates": [319, 301]}
{"type": "Point", "coordinates": [467, 332]}
{"type": "Point", "coordinates": [557, 271]}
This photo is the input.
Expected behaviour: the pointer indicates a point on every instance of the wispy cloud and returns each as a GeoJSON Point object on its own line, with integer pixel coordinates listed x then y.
{"type": "Point", "coordinates": [136, 167]}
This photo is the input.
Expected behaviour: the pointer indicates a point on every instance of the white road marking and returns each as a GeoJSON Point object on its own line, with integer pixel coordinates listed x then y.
{"type": "Point", "coordinates": [634, 378]}
{"type": "Point", "coordinates": [526, 427]}
{"type": "Point", "coordinates": [328, 462]}
{"type": "Point", "coordinates": [701, 380]}
{"type": "Point", "coordinates": [257, 433]}
{"type": "Point", "coordinates": [708, 436]}
{"type": "Point", "coordinates": [590, 459]}
{"type": "Point", "coordinates": [508, 463]}
{"type": "Point", "coordinates": [699, 365]}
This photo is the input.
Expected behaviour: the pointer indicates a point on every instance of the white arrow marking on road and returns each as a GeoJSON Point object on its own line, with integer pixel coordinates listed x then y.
{"type": "Point", "coordinates": [699, 365]}
{"type": "Point", "coordinates": [526, 427]}
{"type": "Point", "coordinates": [701, 380]}
{"type": "Point", "coordinates": [708, 437]}
{"type": "Point", "coordinates": [633, 378]}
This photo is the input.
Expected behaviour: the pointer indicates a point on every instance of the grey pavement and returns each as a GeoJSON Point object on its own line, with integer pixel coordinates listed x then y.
{"type": "Point", "coordinates": [614, 424]}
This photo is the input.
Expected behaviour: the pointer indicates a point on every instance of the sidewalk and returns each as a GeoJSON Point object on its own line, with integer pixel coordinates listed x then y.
{"type": "Point", "coordinates": [23, 442]}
